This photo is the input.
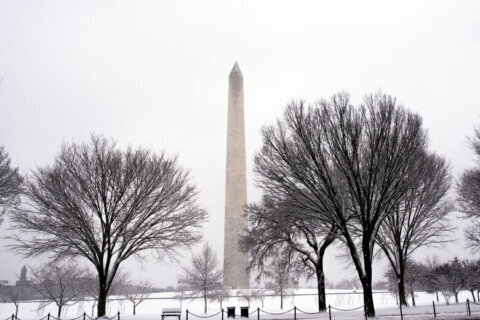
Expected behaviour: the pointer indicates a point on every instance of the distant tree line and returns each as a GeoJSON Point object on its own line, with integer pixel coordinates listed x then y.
{"type": "Point", "coordinates": [66, 284]}
{"type": "Point", "coordinates": [446, 279]}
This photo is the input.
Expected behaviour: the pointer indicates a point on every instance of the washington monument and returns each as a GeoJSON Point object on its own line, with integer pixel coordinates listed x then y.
{"type": "Point", "coordinates": [235, 262]}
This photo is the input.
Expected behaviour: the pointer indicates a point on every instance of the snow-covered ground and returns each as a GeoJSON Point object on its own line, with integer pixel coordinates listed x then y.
{"type": "Point", "coordinates": [304, 300]}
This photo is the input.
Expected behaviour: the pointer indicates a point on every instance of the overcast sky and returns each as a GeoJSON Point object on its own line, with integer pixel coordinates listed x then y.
{"type": "Point", "coordinates": [155, 74]}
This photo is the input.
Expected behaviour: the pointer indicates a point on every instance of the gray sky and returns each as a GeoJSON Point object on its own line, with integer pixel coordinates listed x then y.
{"type": "Point", "coordinates": [154, 74]}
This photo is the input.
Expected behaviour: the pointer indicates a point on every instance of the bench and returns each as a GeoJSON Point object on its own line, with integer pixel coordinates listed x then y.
{"type": "Point", "coordinates": [171, 312]}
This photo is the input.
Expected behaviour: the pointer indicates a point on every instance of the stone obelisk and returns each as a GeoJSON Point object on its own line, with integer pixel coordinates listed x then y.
{"type": "Point", "coordinates": [235, 262]}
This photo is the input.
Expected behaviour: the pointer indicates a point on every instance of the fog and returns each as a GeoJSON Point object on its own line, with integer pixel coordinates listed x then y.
{"type": "Point", "coordinates": [155, 74]}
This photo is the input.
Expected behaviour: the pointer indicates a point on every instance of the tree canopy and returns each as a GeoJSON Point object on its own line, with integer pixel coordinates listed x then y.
{"type": "Point", "coordinates": [107, 205]}
{"type": "Point", "coordinates": [350, 166]}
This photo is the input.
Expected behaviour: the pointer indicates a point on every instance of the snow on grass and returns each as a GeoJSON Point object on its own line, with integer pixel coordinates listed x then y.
{"type": "Point", "coordinates": [303, 299]}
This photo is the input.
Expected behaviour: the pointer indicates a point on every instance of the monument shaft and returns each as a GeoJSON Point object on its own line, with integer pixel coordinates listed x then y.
{"type": "Point", "coordinates": [235, 262]}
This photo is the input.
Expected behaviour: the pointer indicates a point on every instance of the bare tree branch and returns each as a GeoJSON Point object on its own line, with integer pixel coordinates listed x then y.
{"type": "Point", "coordinates": [280, 227]}
{"type": "Point", "coordinates": [421, 218]}
{"type": "Point", "coordinates": [10, 183]}
{"type": "Point", "coordinates": [106, 205]}
{"type": "Point", "coordinates": [136, 293]}
{"type": "Point", "coordinates": [204, 276]}
{"type": "Point", "coordinates": [60, 283]}
{"type": "Point", "coordinates": [350, 166]}
{"type": "Point", "coordinates": [468, 189]}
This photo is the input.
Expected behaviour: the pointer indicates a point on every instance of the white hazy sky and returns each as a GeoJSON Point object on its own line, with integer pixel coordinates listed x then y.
{"type": "Point", "coordinates": [154, 74]}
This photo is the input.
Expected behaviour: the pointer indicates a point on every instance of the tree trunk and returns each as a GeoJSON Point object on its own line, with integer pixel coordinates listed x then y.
{"type": "Point", "coordinates": [16, 311]}
{"type": "Point", "coordinates": [281, 300]}
{"type": "Point", "coordinates": [322, 301]}
{"type": "Point", "coordinates": [447, 300]}
{"type": "Point", "coordinates": [205, 303]}
{"type": "Point", "coordinates": [456, 297]}
{"type": "Point", "coordinates": [59, 313]}
{"type": "Point", "coordinates": [368, 298]}
{"type": "Point", "coordinates": [134, 307]}
{"type": "Point", "coordinates": [438, 299]}
{"type": "Point", "coordinates": [402, 295]}
{"type": "Point", "coordinates": [102, 296]}
{"type": "Point", "coordinates": [413, 298]}
{"type": "Point", "coordinates": [321, 288]}
{"type": "Point", "coordinates": [365, 273]}
{"type": "Point", "coordinates": [473, 295]}
{"type": "Point", "coordinates": [367, 280]}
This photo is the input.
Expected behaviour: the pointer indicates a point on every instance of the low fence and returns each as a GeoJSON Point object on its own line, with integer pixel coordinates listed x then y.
{"type": "Point", "coordinates": [469, 308]}
{"type": "Point", "coordinates": [295, 316]}
{"type": "Point", "coordinates": [296, 311]}
{"type": "Point", "coordinates": [84, 316]}
{"type": "Point", "coordinates": [258, 311]}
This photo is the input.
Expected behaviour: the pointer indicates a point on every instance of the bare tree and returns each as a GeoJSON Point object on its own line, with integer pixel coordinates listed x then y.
{"type": "Point", "coordinates": [248, 295]}
{"type": "Point", "coordinates": [204, 276]}
{"type": "Point", "coordinates": [350, 166]}
{"type": "Point", "coordinates": [278, 227]}
{"type": "Point", "coordinates": [220, 295]}
{"type": "Point", "coordinates": [413, 278]}
{"type": "Point", "coordinates": [429, 280]}
{"type": "Point", "coordinates": [181, 292]}
{"type": "Point", "coordinates": [282, 275]}
{"type": "Point", "coordinates": [14, 294]}
{"type": "Point", "coordinates": [452, 278]}
{"type": "Point", "coordinates": [421, 218]}
{"type": "Point", "coordinates": [472, 276]}
{"type": "Point", "coordinates": [392, 285]}
{"type": "Point", "coordinates": [468, 189]}
{"type": "Point", "coordinates": [259, 294]}
{"type": "Point", "coordinates": [137, 293]}
{"type": "Point", "coordinates": [10, 183]}
{"type": "Point", "coordinates": [60, 283]}
{"type": "Point", "coordinates": [107, 205]}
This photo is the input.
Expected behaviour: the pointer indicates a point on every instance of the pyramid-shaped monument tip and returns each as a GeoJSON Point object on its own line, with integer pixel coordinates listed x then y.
{"type": "Point", "coordinates": [236, 72]}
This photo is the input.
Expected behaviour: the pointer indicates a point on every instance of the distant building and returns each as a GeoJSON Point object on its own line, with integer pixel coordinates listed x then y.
{"type": "Point", "coordinates": [23, 277]}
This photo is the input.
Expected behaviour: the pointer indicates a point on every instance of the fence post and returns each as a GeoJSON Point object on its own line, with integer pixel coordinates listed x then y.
{"type": "Point", "coordinates": [258, 313]}
{"type": "Point", "coordinates": [468, 308]}
{"type": "Point", "coordinates": [434, 311]}
{"type": "Point", "coordinates": [13, 316]}
{"type": "Point", "coordinates": [222, 313]}
{"type": "Point", "coordinates": [118, 315]}
{"type": "Point", "coordinates": [401, 312]}
{"type": "Point", "coordinates": [187, 315]}
{"type": "Point", "coordinates": [48, 316]}
{"type": "Point", "coordinates": [329, 313]}
{"type": "Point", "coordinates": [294, 313]}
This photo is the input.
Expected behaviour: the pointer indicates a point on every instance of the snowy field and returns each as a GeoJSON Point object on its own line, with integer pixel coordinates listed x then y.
{"type": "Point", "coordinates": [303, 299]}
